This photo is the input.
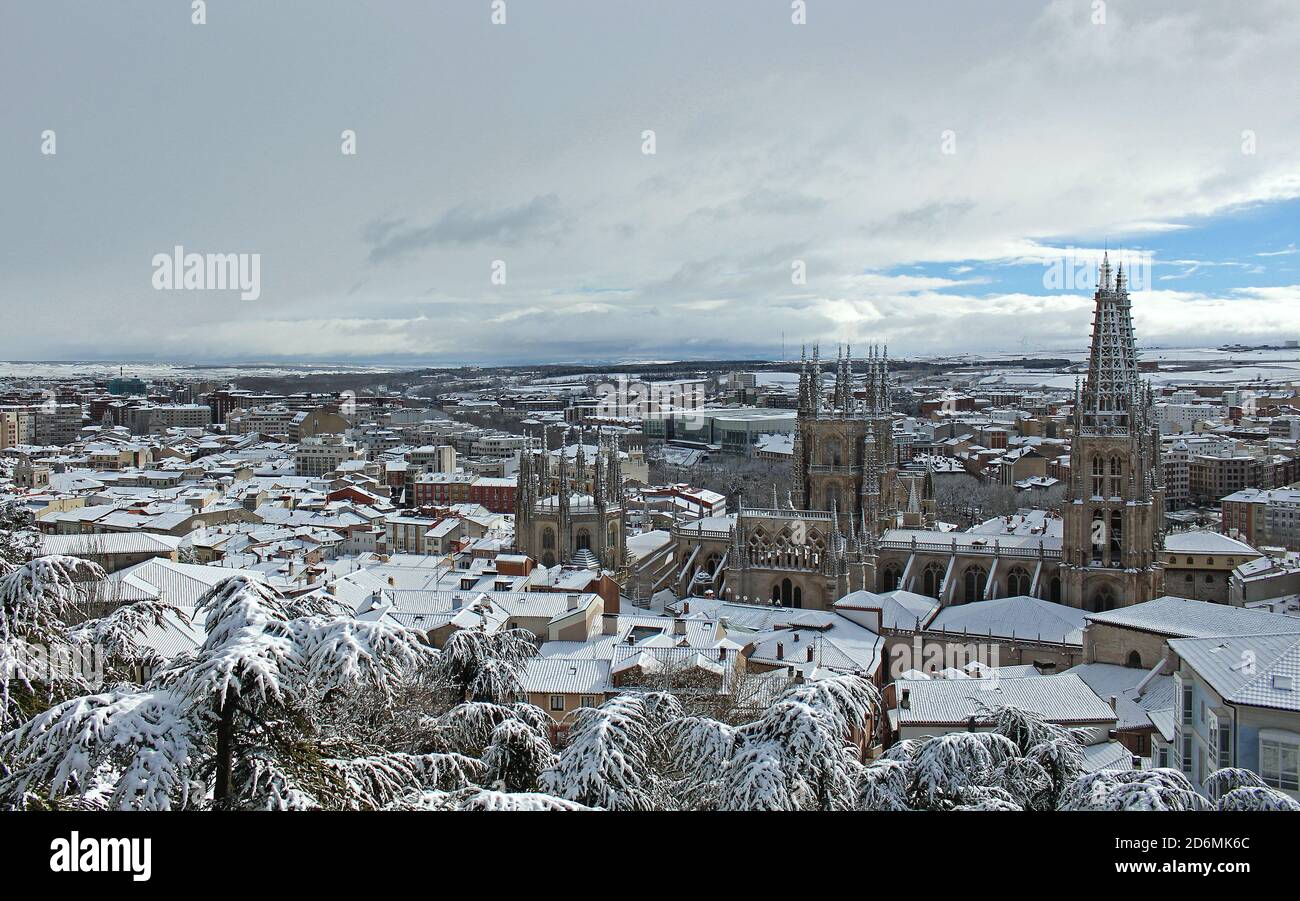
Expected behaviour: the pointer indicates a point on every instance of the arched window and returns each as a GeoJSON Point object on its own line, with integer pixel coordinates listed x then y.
{"type": "Point", "coordinates": [548, 538]}
{"type": "Point", "coordinates": [787, 592]}
{"type": "Point", "coordinates": [930, 579]}
{"type": "Point", "coordinates": [1098, 535]}
{"type": "Point", "coordinates": [1103, 600]}
{"type": "Point", "coordinates": [1098, 475]}
{"type": "Point", "coordinates": [834, 455]}
{"type": "Point", "coordinates": [1017, 582]}
{"type": "Point", "coordinates": [1134, 660]}
{"type": "Point", "coordinates": [1209, 579]}
{"type": "Point", "coordinates": [889, 579]}
{"type": "Point", "coordinates": [974, 584]}
{"type": "Point", "coordinates": [1055, 590]}
{"type": "Point", "coordinates": [798, 596]}
{"type": "Point", "coordinates": [1116, 470]}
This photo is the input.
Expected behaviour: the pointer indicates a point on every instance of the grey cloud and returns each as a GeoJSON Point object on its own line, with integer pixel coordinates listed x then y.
{"type": "Point", "coordinates": [394, 239]}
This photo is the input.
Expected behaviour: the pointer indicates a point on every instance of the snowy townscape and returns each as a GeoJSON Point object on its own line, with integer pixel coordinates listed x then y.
{"type": "Point", "coordinates": [865, 587]}
{"type": "Point", "coordinates": [712, 415]}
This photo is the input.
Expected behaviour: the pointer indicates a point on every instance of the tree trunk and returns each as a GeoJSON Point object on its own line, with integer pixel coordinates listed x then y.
{"type": "Point", "coordinates": [225, 752]}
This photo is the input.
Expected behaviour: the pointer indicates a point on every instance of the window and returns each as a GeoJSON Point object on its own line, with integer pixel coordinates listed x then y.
{"type": "Point", "coordinates": [1187, 704]}
{"type": "Point", "coordinates": [1224, 744]}
{"type": "Point", "coordinates": [1278, 760]}
{"type": "Point", "coordinates": [557, 702]}
{"type": "Point", "coordinates": [1134, 659]}
{"type": "Point", "coordinates": [588, 701]}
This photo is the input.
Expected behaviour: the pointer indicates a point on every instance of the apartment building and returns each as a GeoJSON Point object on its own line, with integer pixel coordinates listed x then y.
{"type": "Point", "coordinates": [1262, 516]}
{"type": "Point", "coordinates": [440, 489]}
{"type": "Point", "coordinates": [1175, 466]}
{"type": "Point", "coordinates": [17, 426]}
{"type": "Point", "coordinates": [56, 423]}
{"type": "Point", "coordinates": [1233, 715]}
{"type": "Point", "coordinates": [323, 454]}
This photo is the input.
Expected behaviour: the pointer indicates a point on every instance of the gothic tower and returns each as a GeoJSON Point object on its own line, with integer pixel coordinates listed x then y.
{"type": "Point", "coordinates": [844, 447]}
{"type": "Point", "coordinates": [1115, 500]}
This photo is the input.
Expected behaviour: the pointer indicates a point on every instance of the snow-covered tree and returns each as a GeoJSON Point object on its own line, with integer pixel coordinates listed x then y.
{"type": "Point", "coordinates": [697, 752]}
{"type": "Point", "coordinates": [240, 715]}
{"type": "Point", "coordinates": [476, 665]}
{"type": "Point", "coordinates": [38, 600]}
{"type": "Point", "coordinates": [947, 766]}
{"type": "Point", "coordinates": [484, 799]}
{"type": "Point", "coordinates": [799, 755]}
{"type": "Point", "coordinates": [1234, 788]}
{"type": "Point", "coordinates": [1258, 797]}
{"type": "Point", "coordinates": [19, 539]}
{"type": "Point", "coordinates": [1158, 789]}
{"type": "Point", "coordinates": [517, 755]}
{"type": "Point", "coordinates": [884, 786]}
{"type": "Point", "coordinates": [607, 760]}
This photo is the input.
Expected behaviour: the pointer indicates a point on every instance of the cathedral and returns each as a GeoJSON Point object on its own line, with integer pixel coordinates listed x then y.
{"type": "Point", "coordinates": [856, 520]}
{"type": "Point", "coordinates": [847, 489]}
{"type": "Point", "coordinates": [569, 510]}
{"type": "Point", "coordinates": [1115, 502]}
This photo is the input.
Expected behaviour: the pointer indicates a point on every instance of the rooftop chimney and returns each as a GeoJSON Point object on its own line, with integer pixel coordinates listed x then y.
{"type": "Point", "coordinates": [780, 651]}
{"type": "Point", "coordinates": [573, 602]}
{"type": "Point", "coordinates": [810, 653]}
{"type": "Point", "coordinates": [679, 626]}
{"type": "Point", "coordinates": [609, 624]}
{"type": "Point", "coordinates": [906, 702]}
{"type": "Point", "coordinates": [1113, 701]}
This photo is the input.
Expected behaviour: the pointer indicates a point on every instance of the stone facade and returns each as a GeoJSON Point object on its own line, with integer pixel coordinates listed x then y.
{"type": "Point", "coordinates": [557, 522]}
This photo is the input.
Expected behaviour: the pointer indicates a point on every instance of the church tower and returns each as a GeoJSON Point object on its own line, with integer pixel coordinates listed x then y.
{"type": "Point", "coordinates": [844, 444]}
{"type": "Point", "coordinates": [1115, 501]}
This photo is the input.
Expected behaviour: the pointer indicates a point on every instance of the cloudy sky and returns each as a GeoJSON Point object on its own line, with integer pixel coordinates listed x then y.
{"type": "Point", "coordinates": [928, 165]}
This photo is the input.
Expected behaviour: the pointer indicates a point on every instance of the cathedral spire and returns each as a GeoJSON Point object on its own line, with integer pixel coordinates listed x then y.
{"type": "Point", "coordinates": [805, 404]}
{"type": "Point", "coordinates": [815, 383]}
{"type": "Point", "coordinates": [1111, 389]}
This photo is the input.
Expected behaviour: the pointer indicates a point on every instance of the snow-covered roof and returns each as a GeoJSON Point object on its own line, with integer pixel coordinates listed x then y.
{"type": "Point", "coordinates": [1107, 755]}
{"type": "Point", "coordinates": [1184, 618]}
{"type": "Point", "coordinates": [1259, 670]}
{"type": "Point", "coordinates": [1205, 542]}
{"type": "Point", "coordinates": [181, 584]}
{"type": "Point", "coordinates": [898, 609]}
{"type": "Point", "coordinates": [566, 675]}
{"type": "Point", "coordinates": [1020, 616]}
{"type": "Point", "coordinates": [1138, 692]}
{"type": "Point", "coordinates": [1063, 699]}
{"type": "Point", "coordinates": [108, 543]}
